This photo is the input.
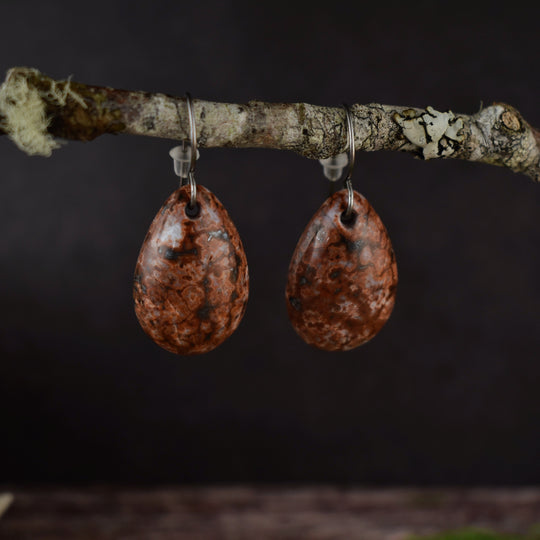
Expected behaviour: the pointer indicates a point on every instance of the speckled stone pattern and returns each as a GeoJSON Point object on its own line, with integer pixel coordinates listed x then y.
{"type": "Point", "coordinates": [191, 278]}
{"type": "Point", "coordinates": [342, 277]}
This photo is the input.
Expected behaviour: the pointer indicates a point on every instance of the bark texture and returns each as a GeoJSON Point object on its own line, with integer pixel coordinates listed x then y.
{"type": "Point", "coordinates": [496, 135]}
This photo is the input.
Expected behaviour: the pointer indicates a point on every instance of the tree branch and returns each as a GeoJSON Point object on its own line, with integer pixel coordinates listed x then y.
{"type": "Point", "coordinates": [34, 109]}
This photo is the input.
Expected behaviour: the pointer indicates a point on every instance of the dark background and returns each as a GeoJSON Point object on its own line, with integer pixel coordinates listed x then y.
{"type": "Point", "coordinates": [447, 393]}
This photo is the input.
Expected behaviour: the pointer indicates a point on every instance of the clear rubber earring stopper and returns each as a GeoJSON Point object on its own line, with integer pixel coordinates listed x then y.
{"type": "Point", "coordinates": [333, 166]}
{"type": "Point", "coordinates": [182, 159]}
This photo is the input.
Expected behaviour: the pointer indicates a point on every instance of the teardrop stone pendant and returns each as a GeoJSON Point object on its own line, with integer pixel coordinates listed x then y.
{"type": "Point", "coordinates": [342, 277]}
{"type": "Point", "coordinates": [191, 278]}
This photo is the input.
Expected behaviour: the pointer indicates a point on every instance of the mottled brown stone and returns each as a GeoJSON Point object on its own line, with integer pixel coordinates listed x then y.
{"type": "Point", "coordinates": [342, 277]}
{"type": "Point", "coordinates": [191, 278]}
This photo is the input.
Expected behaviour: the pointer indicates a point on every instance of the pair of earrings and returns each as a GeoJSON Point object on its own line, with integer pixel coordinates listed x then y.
{"type": "Point", "coordinates": [191, 277]}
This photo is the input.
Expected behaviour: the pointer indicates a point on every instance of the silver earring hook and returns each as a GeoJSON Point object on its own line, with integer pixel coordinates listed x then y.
{"type": "Point", "coordinates": [193, 141]}
{"type": "Point", "coordinates": [352, 155]}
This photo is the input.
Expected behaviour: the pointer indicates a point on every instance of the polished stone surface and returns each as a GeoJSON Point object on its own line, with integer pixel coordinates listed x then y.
{"type": "Point", "coordinates": [342, 277]}
{"type": "Point", "coordinates": [191, 277]}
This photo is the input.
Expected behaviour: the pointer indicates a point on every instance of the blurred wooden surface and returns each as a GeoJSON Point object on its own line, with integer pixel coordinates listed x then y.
{"type": "Point", "coordinates": [243, 513]}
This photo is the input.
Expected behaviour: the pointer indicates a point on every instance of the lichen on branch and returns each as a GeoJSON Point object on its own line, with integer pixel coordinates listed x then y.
{"type": "Point", "coordinates": [35, 110]}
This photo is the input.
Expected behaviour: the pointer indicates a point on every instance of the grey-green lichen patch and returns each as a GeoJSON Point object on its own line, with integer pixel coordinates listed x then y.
{"type": "Point", "coordinates": [433, 131]}
{"type": "Point", "coordinates": [23, 108]}
{"type": "Point", "coordinates": [24, 116]}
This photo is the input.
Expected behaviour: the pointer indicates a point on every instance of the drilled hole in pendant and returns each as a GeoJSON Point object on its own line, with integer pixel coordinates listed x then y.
{"type": "Point", "coordinates": [348, 220]}
{"type": "Point", "coordinates": [193, 211]}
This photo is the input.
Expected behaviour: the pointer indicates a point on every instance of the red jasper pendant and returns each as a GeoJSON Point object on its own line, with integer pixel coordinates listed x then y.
{"type": "Point", "coordinates": [191, 278]}
{"type": "Point", "coordinates": [342, 277]}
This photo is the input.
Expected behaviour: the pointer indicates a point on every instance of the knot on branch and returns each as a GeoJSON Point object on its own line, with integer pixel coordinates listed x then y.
{"type": "Point", "coordinates": [507, 139]}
